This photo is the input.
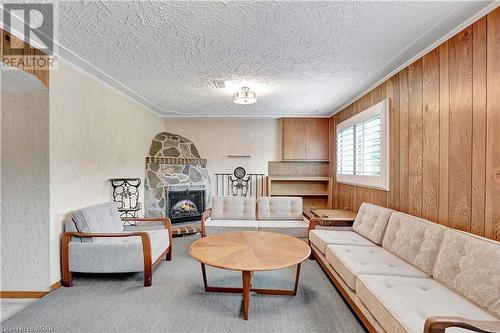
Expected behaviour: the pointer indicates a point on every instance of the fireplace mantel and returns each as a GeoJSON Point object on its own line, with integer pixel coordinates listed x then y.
{"type": "Point", "coordinates": [176, 160]}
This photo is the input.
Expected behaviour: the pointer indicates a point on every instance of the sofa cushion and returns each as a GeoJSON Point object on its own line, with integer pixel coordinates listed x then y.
{"type": "Point", "coordinates": [233, 208]}
{"type": "Point", "coordinates": [298, 229]}
{"type": "Point", "coordinates": [321, 238]}
{"type": "Point", "coordinates": [102, 217]}
{"type": "Point", "coordinates": [402, 304]}
{"type": "Point", "coordinates": [413, 239]}
{"type": "Point", "coordinates": [470, 265]}
{"type": "Point", "coordinates": [371, 221]}
{"type": "Point", "coordinates": [279, 208]}
{"type": "Point", "coordinates": [115, 255]}
{"type": "Point", "coordinates": [350, 261]}
{"type": "Point", "coordinates": [217, 226]}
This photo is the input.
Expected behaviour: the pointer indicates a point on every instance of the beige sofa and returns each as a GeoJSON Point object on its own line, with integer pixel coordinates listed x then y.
{"type": "Point", "coordinates": [275, 214]}
{"type": "Point", "coordinates": [397, 271]}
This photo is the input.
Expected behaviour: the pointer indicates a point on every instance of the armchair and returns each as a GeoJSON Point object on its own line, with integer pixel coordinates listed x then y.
{"type": "Point", "coordinates": [96, 241]}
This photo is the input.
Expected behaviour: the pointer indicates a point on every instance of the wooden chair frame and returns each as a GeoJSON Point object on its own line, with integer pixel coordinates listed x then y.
{"type": "Point", "coordinates": [206, 215]}
{"type": "Point", "coordinates": [67, 279]}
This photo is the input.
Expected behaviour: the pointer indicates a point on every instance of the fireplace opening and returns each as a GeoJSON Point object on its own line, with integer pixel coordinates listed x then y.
{"type": "Point", "coordinates": [184, 206]}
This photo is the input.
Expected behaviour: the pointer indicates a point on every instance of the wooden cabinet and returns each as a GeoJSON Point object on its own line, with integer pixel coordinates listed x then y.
{"type": "Point", "coordinates": [294, 143]}
{"type": "Point", "coordinates": [318, 139]}
{"type": "Point", "coordinates": [306, 138]}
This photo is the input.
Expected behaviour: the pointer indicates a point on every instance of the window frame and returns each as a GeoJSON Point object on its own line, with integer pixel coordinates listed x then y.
{"type": "Point", "coordinates": [381, 182]}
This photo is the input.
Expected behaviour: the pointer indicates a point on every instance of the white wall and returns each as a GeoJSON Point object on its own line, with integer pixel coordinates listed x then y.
{"type": "Point", "coordinates": [216, 138]}
{"type": "Point", "coordinates": [96, 133]}
{"type": "Point", "coordinates": [25, 184]}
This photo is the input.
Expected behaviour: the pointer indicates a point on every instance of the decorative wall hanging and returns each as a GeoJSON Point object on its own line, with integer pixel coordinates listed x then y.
{"type": "Point", "coordinates": [126, 195]}
{"type": "Point", "coordinates": [239, 184]}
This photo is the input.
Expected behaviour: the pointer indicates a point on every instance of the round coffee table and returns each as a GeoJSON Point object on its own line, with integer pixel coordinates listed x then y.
{"type": "Point", "coordinates": [249, 251]}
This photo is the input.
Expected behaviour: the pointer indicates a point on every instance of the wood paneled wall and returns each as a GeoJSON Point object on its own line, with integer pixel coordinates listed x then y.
{"type": "Point", "coordinates": [13, 47]}
{"type": "Point", "coordinates": [445, 134]}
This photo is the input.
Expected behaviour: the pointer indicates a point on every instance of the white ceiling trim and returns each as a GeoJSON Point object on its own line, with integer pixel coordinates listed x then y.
{"type": "Point", "coordinates": [243, 115]}
{"type": "Point", "coordinates": [420, 54]}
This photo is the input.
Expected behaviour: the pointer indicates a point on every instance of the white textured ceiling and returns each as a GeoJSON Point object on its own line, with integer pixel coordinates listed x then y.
{"type": "Point", "coordinates": [301, 58]}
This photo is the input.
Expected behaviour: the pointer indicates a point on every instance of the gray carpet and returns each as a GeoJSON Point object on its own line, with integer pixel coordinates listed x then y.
{"type": "Point", "coordinates": [177, 303]}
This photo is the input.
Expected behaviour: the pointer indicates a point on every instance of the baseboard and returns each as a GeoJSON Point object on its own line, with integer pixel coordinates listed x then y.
{"type": "Point", "coordinates": [56, 285]}
{"type": "Point", "coordinates": [23, 294]}
{"type": "Point", "coordinates": [29, 294]}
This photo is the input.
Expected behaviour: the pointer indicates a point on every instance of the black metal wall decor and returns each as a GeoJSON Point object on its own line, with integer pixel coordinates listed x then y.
{"type": "Point", "coordinates": [256, 185]}
{"type": "Point", "coordinates": [239, 184]}
{"type": "Point", "coordinates": [126, 195]}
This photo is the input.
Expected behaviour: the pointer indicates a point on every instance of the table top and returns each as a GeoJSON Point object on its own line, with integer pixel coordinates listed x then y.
{"type": "Point", "coordinates": [331, 214]}
{"type": "Point", "coordinates": [250, 250]}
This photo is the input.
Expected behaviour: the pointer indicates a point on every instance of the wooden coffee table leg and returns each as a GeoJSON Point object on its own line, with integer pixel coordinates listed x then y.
{"type": "Point", "coordinates": [246, 292]}
{"type": "Point", "coordinates": [204, 273]}
{"type": "Point", "coordinates": [297, 274]}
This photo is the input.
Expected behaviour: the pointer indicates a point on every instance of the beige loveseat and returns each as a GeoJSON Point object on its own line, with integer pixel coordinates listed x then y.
{"type": "Point", "coordinates": [276, 214]}
{"type": "Point", "coordinates": [397, 271]}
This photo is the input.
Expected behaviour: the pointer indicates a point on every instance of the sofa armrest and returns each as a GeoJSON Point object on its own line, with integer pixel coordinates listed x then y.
{"type": "Point", "coordinates": [165, 220]}
{"type": "Point", "coordinates": [146, 252]}
{"type": "Point", "coordinates": [205, 216]}
{"type": "Point", "coordinates": [438, 324]}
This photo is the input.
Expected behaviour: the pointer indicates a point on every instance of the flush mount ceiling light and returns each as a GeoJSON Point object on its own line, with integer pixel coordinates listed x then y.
{"type": "Point", "coordinates": [245, 96]}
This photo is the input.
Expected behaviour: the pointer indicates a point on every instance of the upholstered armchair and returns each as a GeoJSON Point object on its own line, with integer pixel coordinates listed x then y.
{"type": "Point", "coordinates": [96, 241]}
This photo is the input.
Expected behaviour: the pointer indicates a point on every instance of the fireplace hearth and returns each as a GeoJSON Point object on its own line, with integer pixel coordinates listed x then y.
{"type": "Point", "coordinates": [184, 205]}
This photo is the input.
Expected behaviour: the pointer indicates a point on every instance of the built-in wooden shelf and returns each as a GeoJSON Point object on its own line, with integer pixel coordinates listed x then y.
{"type": "Point", "coordinates": [299, 194]}
{"type": "Point", "coordinates": [315, 191]}
{"type": "Point", "coordinates": [298, 168]}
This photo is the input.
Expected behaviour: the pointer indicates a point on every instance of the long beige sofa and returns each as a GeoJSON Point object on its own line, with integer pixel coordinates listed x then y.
{"type": "Point", "coordinates": [276, 214]}
{"type": "Point", "coordinates": [396, 271]}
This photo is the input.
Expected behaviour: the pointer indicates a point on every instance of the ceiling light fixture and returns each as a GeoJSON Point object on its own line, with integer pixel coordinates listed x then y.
{"type": "Point", "coordinates": [244, 96]}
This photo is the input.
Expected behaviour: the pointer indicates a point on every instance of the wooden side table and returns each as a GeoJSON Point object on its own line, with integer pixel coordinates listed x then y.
{"type": "Point", "coordinates": [329, 218]}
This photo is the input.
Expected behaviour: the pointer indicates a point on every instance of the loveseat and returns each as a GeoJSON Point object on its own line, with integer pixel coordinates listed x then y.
{"type": "Point", "coordinates": [276, 214]}
{"type": "Point", "coordinates": [400, 273]}
{"type": "Point", "coordinates": [96, 241]}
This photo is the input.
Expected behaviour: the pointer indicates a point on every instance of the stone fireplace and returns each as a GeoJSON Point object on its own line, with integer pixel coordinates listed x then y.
{"type": "Point", "coordinates": [176, 183]}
